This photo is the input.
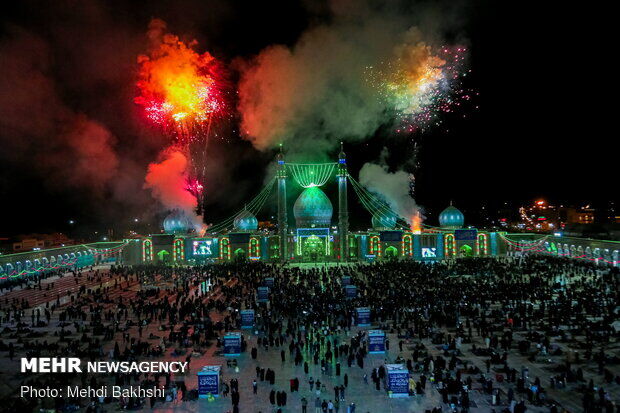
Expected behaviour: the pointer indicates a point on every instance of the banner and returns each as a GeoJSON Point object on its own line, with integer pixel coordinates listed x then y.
{"type": "Point", "coordinates": [376, 342]}
{"type": "Point", "coordinates": [465, 234]}
{"type": "Point", "coordinates": [269, 281]}
{"type": "Point", "coordinates": [397, 380]}
{"type": "Point", "coordinates": [247, 318]}
{"type": "Point", "coordinates": [263, 294]}
{"type": "Point", "coordinates": [208, 381]}
{"type": "Point", "coordinates": [350, 291]}
{"type": "Point", "coordinates": [362, 316]}
{"type": "Point", "coordinates": [232, 344]}
{"type": "Point", "coordinates": [346, 281]}
{"type": "Point", "coordinates": [391, 236]}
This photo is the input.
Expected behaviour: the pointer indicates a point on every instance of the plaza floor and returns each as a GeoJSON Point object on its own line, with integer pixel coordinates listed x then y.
{"type": "Point", "coordinates": [365, 397]}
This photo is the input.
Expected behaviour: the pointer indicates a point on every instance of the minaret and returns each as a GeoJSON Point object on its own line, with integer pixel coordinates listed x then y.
{"type": "Point", "coordinates": [343, 209]}
{"type": "Point", "coordinates": [282, 219]}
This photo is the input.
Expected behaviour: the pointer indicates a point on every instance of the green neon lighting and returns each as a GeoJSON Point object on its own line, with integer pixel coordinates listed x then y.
{"type": "Point", "coordinates": [311, 174]}
{"type": "Point", "coordinates": [253, 207]}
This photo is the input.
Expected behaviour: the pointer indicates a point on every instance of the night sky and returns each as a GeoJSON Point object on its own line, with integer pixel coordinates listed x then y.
{"type": "Point", "coordinates": [537, 132]}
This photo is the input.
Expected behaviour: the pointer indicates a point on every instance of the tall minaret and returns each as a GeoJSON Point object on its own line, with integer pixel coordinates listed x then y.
{"type": "Point", "coordinates": [343, 209]}
{"type": "Point", "coordinates": [282, 219]}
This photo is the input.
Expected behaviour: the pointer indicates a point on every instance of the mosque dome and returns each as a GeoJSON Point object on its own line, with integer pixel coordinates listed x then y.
{"type": "Point", "coordinates": [177, 222]}
{"type": "Point", "coordinates": [451, 218]}
{"type": "Point", "coordinates": [384, 221]}
{"type": "Point", "coordinates": [245, 221]}
{"type": "Point", "coordinates": [313, 209]}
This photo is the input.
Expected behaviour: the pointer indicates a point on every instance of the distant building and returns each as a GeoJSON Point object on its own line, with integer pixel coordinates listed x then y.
{"type": "Point", "coordinates": [583, 215]}
{"type": "Point", "coordinates": [542, 217]}
{"type": "Point", "coordinates": [34, 242]}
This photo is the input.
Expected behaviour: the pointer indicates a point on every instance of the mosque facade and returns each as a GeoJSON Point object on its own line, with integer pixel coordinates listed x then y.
{"type": "Point", "coordinates": [319, 234]}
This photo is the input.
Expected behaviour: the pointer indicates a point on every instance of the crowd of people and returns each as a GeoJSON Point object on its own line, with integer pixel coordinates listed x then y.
{"type": "Point", "coordinates": [457, 326]}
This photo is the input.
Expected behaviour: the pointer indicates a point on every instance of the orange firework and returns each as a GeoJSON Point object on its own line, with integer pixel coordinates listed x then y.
{"type": "Point", "coordinates": [177, 85]}
{"type": "Point", "coordinates": [416, 223]}
{"type": "Point", "coordinates": [179, 90]}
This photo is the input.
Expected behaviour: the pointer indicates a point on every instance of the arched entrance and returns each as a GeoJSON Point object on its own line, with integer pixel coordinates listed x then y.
{"type": "Point", "coordinates": [239, 254]}
{"type": "Point", "coordinates": [313, 249]}
{"type": "Point", "coordinates": [391, 252]}
{"type": "Point", "coordinates": [466, 251]}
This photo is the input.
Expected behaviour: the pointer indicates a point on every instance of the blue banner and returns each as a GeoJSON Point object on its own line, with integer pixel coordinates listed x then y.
{"type": "Point", "coordinates": [269, 281]}
{"type": "Point", "coordinates": [263, 294]}
{"type": "Point", "coordinates": [465, 234]}
{"type": "Point", "coordinates": [350, 291]}
{"type": "Point", "coordinates": [391, 236]}
{"type": "Point", "coordinates": [376, 342]}
{"type": "Point", "coordinates": [208, 382]}
{"type": "Point", "coordinates": [346, 281]}
{"type": "Point", "coordinates": [247, 318]}
{"type": "Point", "coordinates": [232, 344]}
{"type": "Point", "coordinates": [362, 315]}
{"type": "Point", "coordinates": [398, 382]}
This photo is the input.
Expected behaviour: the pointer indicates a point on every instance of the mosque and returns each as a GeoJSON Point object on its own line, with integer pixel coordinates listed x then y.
{"type": "Point", "coordinates": [316, 236]}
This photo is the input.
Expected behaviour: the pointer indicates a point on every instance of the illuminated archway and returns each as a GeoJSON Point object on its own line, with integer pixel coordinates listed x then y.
{"type": "Point", "coordinates": [240, 254]}
{"type": "Point", "coordinates": [449, 245]}
{"type": "Point", "coordinates": [254, 247]}
{"type": "Point", "coordinates": [391, 252]}
{"type": "Point", "coordinates": [147, 250]}
{"type": "Point", "coordinates": [483, 244]}
{"type": "Point", "coordinates": [225, 249]}
{"type": "Point", "coordinates": [375, 245]}
{"type": "Point", "coordinates": [407, 245]}
{"type": "Point", "coordinates": [178, 250]}
{"type": "Point", "coordinates": [466, 251]}
{"type": "Point", "coordinates": [314, 248]}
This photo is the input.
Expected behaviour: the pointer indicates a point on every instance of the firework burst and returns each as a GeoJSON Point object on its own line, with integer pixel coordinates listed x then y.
{"type": "Point", "coordinates": [180, 91]}
{"type": "Point", "coordinates": [418, 84]}
{"type": "Point", "coordinates": [179, 87]}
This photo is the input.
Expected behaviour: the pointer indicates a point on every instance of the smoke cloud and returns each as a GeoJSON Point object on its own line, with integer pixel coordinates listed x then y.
{"type": "Point", "coordinates": [167, 180]}
{"type": "Point", "coordinates": [68, 148]}
{"type": "Point", "coordinates": [392, 187]}
{"type": "Point", "coordinates": [319, 91]}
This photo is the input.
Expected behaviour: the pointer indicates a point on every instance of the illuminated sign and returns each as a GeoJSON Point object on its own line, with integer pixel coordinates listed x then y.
{"type": "Point", "coordinates": [465, 234]}
{"type": "Point", "coordinates": [429, 252]}
{"type": "Point", "coordinates": [391, 236]}
{"type": "Point", "coordinates": [204, 248]}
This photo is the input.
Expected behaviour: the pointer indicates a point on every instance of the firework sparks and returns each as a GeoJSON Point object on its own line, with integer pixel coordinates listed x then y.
{"type": "Point", "coordinates": [178, 87]}
{"type": "Point", "coordinates": [194, 187]}
{"type": "Point", "coordinates": [180, 91]}
{"type": "Point", "coordinates": [419, 84]}
{"type": "Point", "coordinates": [416, 223]}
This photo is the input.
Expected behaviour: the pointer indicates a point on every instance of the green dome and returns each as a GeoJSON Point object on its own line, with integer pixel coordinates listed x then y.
{"type": "Point", "coordinates": [177, 222]}
{"type": "Point", "coordinates": [313, 209]}
{"type": "Point", "coordinates": [246, 221]}
{"type": "Point", "coordinates": [451, 218]}
{"type": "Point", "coordinates": [384, 221]}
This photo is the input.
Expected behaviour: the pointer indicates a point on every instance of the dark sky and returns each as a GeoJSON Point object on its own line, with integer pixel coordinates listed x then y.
{"type": "Point", "coordinates": [540, 130]}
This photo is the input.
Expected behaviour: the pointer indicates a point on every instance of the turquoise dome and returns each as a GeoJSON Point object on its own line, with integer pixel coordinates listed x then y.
{"type": "Point", "coordinates": [177, 223]}
{"type": "Point", "coordinates": [313, 209]}
{"type": "Point", "coordinates": [384, 221]}
{"type": "Point", "coordinates": [245, 221]}
{"type": "Point", "coordinates": [451, 218]}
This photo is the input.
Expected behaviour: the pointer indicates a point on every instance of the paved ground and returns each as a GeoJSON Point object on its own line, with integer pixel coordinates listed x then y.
{"type": "Point", "coordinates": [366, 398]}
